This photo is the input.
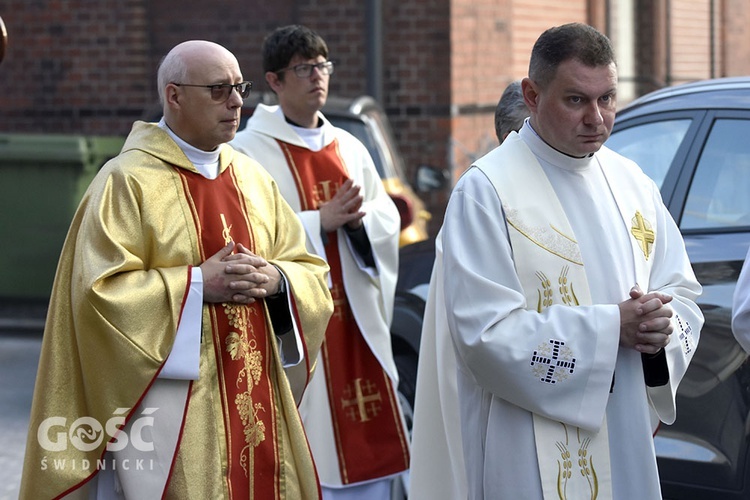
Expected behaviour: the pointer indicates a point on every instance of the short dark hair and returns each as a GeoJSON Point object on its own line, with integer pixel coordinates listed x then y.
{"type": "Point", "coordinates": [511, 111]}
{"type": "Point", "coordinates": [286, 42]}
{"type": "Point", "coordinates": [569, 41]}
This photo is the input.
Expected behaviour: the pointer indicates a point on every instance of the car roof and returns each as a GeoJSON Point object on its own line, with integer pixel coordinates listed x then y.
{"type": "Point", "coordinates": [726, 93]}
{"type": "Point", "coordinates": [344, 106]}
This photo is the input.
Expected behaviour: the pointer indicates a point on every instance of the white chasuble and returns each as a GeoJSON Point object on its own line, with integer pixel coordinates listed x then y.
{"type": "Point", "coordinates": [510, 342]}
{"type": "Point", "coordinates": [573, 462]}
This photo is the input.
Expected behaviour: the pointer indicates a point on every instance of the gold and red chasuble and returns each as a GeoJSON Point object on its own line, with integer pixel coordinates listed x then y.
{"type": "Point", "coordinates": [241, 344]}
{"type": "Point", "coordinates": [366, 422]}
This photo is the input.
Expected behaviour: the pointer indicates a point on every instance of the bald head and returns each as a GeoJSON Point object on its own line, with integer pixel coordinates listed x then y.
{"type": "Point", "coordinates": [188, 59]}
{"type": "Point", "coordinates": [190, 104]}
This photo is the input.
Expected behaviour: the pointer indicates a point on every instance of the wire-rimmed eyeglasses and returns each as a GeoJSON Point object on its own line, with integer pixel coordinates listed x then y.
{"type": "Point", "coordinates": [220, 92]}
{"type": "Point", "coordinates": [305, 70]}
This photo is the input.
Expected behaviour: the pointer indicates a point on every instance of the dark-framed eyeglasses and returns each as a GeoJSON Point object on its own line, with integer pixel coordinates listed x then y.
{"type": "Point", "coordinates": [305, 70]}
{"type": "Point", "coordinates": [220, 92]}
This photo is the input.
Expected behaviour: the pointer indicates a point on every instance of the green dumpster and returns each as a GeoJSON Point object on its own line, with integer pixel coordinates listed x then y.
{"type": "Point", "coordinates": [42, 180]}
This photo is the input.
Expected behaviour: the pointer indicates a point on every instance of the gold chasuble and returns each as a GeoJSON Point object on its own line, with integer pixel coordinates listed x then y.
{"type": "Point", "coordinates": [369, 439]}
{"type": "Point", "coordinates": [145, 222]}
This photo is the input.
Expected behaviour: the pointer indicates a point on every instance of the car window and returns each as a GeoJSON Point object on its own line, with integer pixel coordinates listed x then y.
{"type": "Point", "coordinates": [393, 165]}
{"type": "Point", "coordinates": [359, 130]}
{"type": "Point", "coordinates": [718, 196]}
{"type": "Point", "coordinates": [651, 145]}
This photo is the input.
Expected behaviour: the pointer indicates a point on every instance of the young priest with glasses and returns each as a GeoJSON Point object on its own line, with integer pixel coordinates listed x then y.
{"type": "Point", "coordinates": [350, 411]}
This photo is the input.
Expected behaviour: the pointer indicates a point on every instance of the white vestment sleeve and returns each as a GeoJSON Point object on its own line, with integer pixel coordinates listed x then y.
{"type": "Point", "coordinates": [139, 466]}
{"type": "Point", "coordinates": [741, 307]}
{"type": "Point", "coordinates": [672, 274]}
{"type": "Point", "coordinates": [183, 362]}
{"type": "Point", "coordinates": [290, 344]}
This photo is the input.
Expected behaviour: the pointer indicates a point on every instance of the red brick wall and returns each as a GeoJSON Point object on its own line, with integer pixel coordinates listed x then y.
{"type": "Point", "coordinates": [74, 66]}
{"type": "Point", "coordinates": [482, 62]}
{"type": "Point", "coordinates": [676, 46]}
{"type": "Point", "coordinates": [89, 66]}
{"type": "Point", "coordinates": [417, 80]}
{"type": "Point", "coordinates": [530, 19]}
{"type": "Point", "coordinates": [491, 45]}
{"type": "Point", "coordinates": [734, 33]}
{"type": "Point", "coordinates": [691, 40]}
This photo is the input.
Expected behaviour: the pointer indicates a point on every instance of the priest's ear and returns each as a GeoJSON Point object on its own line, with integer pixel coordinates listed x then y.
{"type": "Point", "coordinates": [172, 95]}
{"type": "Point", "coordinates": [274, 81]}
{"type": "Point", "coordinates": [530, 90]}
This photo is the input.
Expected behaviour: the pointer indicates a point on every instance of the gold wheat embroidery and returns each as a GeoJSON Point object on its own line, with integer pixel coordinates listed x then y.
{"type": "Point", "coordinates": [585, 466]}
{"type": "Point", "coordinates": [568, 295]}
{"type": "Point", "coordinates": [565, 288]}
{"type": "Point", "coordinates": [545, 294]}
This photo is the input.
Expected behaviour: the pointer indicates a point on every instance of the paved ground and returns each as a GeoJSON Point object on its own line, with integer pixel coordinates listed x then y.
{"type": "Point", "coordinates": [19, 358]}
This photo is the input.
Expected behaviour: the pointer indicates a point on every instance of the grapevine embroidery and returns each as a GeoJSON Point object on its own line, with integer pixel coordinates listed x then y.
{"type": "Point", "coordinates": [240, 348]}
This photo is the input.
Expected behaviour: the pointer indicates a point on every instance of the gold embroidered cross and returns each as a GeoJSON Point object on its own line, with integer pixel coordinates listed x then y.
{"type": "Point", "coordinates": [339, 301]}
{"type": "Point", "coordinates": [225, 233]}
{"type": "Point", "coordinates": [323, 192]}
{"type": "Point", "coordinates": [364, 395]}
{"type": "Point", "coordinates": [643, 233]}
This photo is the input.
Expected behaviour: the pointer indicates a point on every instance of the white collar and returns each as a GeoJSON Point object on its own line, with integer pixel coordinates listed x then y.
{"type": "Point", "coordinates": [550, 155]}
{"type": "Point", "coordinates": [206, 162]}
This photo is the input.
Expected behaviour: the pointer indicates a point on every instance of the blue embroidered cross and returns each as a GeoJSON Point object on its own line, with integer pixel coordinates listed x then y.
{"type": "Point", "coordinates": [553, 361]}
{"type": "Point", "coordinates": [685, 336]}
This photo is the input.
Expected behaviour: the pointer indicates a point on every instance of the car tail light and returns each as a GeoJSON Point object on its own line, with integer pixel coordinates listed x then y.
{"type": "Point", "coordinates": [405, 209]}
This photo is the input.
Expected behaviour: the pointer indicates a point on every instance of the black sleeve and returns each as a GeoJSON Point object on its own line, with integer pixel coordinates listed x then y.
{"type": "Point", "coordinates": [361, 244]}
{"type": "Point", "coordinates": [655, 369]}
{"type": "Point", "coordinates": [278, 310]}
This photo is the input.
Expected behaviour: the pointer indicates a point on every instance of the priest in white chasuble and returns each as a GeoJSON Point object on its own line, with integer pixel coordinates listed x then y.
{"type": "Point", "coordinates": [562, 305]}
{"type": "Point", "coordinates": [185, 318]}
{"type": "Point", "coordinates": [350, 411]}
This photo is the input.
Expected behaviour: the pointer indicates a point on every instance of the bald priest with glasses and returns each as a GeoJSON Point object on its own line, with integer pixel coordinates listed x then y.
{"type": "Point", "coordinates": [185, 316]}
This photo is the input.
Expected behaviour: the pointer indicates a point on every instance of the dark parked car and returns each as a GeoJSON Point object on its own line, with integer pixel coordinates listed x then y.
{"type": "Point", "coordinates": [694, 141]}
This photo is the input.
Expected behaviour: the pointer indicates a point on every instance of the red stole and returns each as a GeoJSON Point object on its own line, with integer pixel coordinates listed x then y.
{"type": "Point", "coordinates": [369, 435]}
{"type": "Point", "coordinates": [241, 343]}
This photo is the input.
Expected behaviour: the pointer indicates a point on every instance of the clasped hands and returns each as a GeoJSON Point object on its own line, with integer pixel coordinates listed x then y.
{"type": "Point", "coordinates": [645, 321]}
{"type": "Point", "coordinates": [343, 208]}
{"type": "Point", "coordinates": [239, 276]}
